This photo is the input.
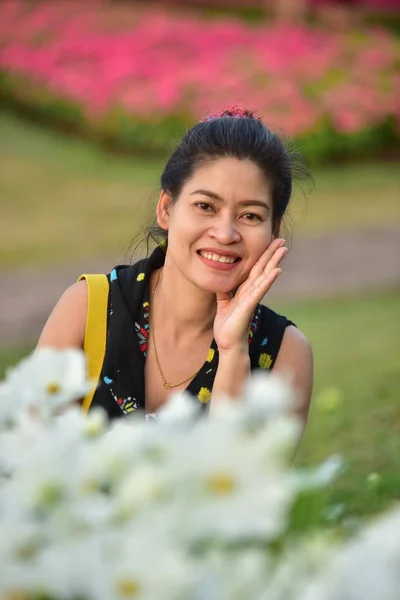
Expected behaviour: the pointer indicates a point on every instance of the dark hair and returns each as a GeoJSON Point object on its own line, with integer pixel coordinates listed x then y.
{"type": "Point", "coordinates": [234, 133]}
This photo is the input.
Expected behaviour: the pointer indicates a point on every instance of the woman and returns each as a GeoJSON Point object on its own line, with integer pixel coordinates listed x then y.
{"type": "Point", "coordinates": [189, 316]}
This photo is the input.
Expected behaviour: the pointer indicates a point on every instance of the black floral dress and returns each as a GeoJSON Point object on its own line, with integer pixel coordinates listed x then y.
{"type": "Point", "coordinates": [121, 388]}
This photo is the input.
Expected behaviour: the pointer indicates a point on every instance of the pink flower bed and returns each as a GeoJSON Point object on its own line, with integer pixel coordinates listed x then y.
{"type": "Point", "coordinates": [151, 64]}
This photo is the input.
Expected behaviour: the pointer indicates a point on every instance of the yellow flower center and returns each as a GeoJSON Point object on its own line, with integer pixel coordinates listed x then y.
{"type": "Point", "coordinates": [127, 588]}
{"type": "Point", "coordinates": [49, 494]}
{"type": "Point", "coordinates": [53, 387]}
{"type": "Point", "coordinates": [90, 487]}
{"type": "Point", "coordinates": [221, 484]}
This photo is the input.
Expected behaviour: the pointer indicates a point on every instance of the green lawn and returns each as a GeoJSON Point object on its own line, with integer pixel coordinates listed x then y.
{"type": "Point", "coordinates": [62, 198]}
{"type": "Point", "coordinates": [357, 347]}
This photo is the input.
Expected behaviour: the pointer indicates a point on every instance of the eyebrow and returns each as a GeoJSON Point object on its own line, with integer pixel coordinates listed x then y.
{"type": "Point", "coordinates": [242, 202]}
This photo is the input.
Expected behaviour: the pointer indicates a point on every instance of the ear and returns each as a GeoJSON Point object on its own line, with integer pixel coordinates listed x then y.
{"type": "Point", "coordinates": [163, 210]}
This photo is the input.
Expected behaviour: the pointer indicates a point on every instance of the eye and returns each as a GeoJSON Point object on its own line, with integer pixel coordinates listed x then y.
{"type": "Point", "coordinates": [204, 206]}
{"type": "Point", "coordinates": [252, 217]}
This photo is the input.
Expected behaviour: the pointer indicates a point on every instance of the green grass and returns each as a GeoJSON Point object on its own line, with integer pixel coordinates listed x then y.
{"type": "Point", "coordinates": [64, 199]}
{"type": "Point", "coordinates": [356, 347]}
{"type": "Point", "coordinates": [11, 356]}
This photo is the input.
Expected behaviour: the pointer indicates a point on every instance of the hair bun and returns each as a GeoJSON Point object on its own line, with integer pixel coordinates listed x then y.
{"type": "Point", "coordinates": [235, 111]}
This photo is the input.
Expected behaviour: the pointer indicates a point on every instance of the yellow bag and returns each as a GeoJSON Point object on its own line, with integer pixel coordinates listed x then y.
{"type": "Point", "coordinates": [96, 329]}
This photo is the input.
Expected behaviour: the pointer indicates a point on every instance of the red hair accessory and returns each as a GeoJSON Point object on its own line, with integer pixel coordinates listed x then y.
{"type": "Point", "coordinates": [235, 111]}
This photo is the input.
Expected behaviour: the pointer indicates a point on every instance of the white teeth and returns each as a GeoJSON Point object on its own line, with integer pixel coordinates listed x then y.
{"type": "Point", "coordinates": [217, 257]}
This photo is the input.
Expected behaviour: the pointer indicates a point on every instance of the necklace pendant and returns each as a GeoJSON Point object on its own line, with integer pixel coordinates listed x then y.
{"type": "Point", "coordinates": [166, 385]}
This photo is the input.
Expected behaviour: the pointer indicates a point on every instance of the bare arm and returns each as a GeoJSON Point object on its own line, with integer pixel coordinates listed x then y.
{"type": "Point", "coordinates": [232, 373]}
{"type": "Point", "coordinates": [65, 327]}
{"type": "Point", "coordinates": [295, 361]}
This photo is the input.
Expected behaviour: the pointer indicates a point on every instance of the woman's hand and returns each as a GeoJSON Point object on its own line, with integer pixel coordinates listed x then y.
{"type": "Point", "coordinates": [234, 314]}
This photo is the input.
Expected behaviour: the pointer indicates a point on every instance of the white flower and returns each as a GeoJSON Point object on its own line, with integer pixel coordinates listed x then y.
{"type": "Point", "coordinates": [181, 507]}
{"type": "Point", "coordinates": [95, 422]}
{"type": "Point", "coordinates": [367, 568]}
{"type": "Point", "coordinates": [323, 475]}
{"type": "Point", "coordinates": [47, 380]}
{"type": "Point", "coordinates": [234, 575]}
{"type": "Point", "coordinates": [152, 566]}
{"type": "Point", "coordinates": [138, 490]}
{"type": "Point", "coordinates": [221, 488]}
{"type": "Point", "coordinates": [20, 539]}
{"type": "Point", "coordinates": [299, 562]}
{"type": "Point", "coordinates": [7, 407]}
{"type": "Point", "coordinates": [112, 456]}
{"type": "Point", "coordinates": [179, 410]}
{"type": "Point", "coordinates": [269, 395]}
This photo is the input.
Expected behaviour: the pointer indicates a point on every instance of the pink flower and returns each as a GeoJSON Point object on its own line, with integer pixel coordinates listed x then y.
{"type": "Point", "coordinates": [150, 62]}
{"type": "Point", "coordinates": [348, 121]}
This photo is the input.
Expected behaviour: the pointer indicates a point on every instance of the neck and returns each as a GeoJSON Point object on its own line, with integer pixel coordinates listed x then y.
{"type": "Point", "coordinates": [181, 306]}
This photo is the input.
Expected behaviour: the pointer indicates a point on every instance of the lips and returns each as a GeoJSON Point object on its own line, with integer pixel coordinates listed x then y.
{"type": "Point", "coordinates": [217, 259]}
{"type": "Point", "coordinates": [217, 255]}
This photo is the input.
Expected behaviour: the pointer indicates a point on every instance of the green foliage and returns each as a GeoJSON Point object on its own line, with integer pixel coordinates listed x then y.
{"type": "Point", "coordinates": [121, 131]}
{"type": "Point", "coordinates": [325, 144]}
{"type": "Point", "coordinates": [249, 14]}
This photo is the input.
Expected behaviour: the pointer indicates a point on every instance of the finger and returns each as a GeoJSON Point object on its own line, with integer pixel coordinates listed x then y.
{"type": "Point", "coordinates": [276, 259]}
{"type": "Point", "coordinates": [265, 257]}
{"type": "Point", "coordinates": [260, 287]}
{"type": "Point", "coordinates": [273, 263]}
{"type": "Point", "coordinates": [266, 281]}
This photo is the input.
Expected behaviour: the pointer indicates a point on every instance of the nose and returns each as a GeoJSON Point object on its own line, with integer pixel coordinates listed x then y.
{"type": "Point", "coordinates": [225, 230]}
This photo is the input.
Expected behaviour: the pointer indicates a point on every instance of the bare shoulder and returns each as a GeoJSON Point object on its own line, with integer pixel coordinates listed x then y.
{"type": "Point", "coordinates": [66, 324]}
{"type": "Point", "coordinates": [295, 342]}
{"type": "Point", "coordinates": [295, 361]}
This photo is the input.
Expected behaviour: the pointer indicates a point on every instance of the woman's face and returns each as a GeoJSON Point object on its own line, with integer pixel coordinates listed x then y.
{"type": "Point", "coordinates": [220, 224]}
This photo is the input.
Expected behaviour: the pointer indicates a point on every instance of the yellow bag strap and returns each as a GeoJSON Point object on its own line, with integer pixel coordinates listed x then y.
{"type": "Point", "coordinates": [96, 329]}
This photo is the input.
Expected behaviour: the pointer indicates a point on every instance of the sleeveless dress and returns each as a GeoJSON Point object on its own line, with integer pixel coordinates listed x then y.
{"type": "Point", "coordinates": [121, 389]}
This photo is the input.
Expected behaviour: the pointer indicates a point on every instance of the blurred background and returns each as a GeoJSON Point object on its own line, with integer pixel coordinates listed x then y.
{"type": "Point", "coordinates": [93, 97]}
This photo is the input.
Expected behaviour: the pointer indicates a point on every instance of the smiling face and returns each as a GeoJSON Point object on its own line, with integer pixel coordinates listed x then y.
{"type": "Point", "coordinates": [220, 224]}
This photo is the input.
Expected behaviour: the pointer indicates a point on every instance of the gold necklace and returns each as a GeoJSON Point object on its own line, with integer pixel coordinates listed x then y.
{"type": "Point", "coordinates": [166, 384]}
